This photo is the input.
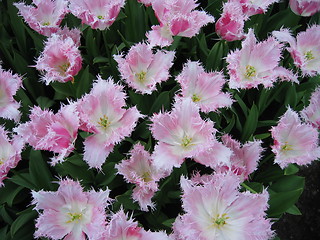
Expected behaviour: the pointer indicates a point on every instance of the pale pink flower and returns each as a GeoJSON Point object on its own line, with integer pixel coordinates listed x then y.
{"type": "Point", "coordinates": [257, 63]}
{"type": "Point", "coordinates": [102, 112]}
{"type": "Point", "coordinates": [231, 23]}
{"type": "Point", "coordinates": [176, 18]}
{"type": "Point", "coordinates": [181, 133]}
{"type": "Point", "coordinates": [52, 132]}
{"type": "Point", "coordinates": [305, 49]}
{"type": "Point", "coordinates": [244, 159]}
{"type": "Point", "coordinates": [203, 88]}
{"type": "Point", "coordinates": [311, 114]}
{"type": "Point", "coordinates": [142, 69]}
{"type": "Point", "coordinates": [215, 156]}
{"type": "Point", "coordinates": [215, 209]}
{"type": "Point", "coordinates": [60, 59]}
{"type": "Point", "coordinates": [253, 7]}
{"type": "Point", "coordinates": [70, 213]}
{"type": "Point", "coordinates": [294, 142]}
{"type": "Point", "coordinates": [74, 34]}
{"type": "Point", "coordinates": [46, 16]}
{"type": "Point", "coordinates": [305, 8]}
{"type": "Point", "coordinates": [10, 153]}
{"type": "Point", "coordinates": [122, 228]}
{"type": "Point", "coordinates": [98, 14]}
{"type": "Point", "coordinates": [9, 85]}
{"type": "Point", "coordinates": [140, 171]}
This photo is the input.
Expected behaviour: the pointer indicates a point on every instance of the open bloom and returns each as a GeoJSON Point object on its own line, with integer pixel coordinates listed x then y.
{"type": "Point", "coordinates": [176, 18]}
{"type": "Point", "coordinates": [9, 85]}
{"type": "Point", "coordinates": [305, 49]}
{"type": "Point", "coordinates": [253, 7]}
{"type": "Point", "coordinates": [70, 212]}
{"type": "Point", "coordinates": [122, 228]}
{"type": "Point", "coordinates": [244, 159]}
{"type": "Point", "coordinates": [60, 59]}
{"type": "Point", "coordinates": [10, 153]}
{"type": "Point", "coordinates": [181, 133]}
{"type": "Point", "coordinates": [102, 112]}
{"type": "Point", "coordinates": [215, 209]}
{"type": "Point", "coordinates": [140, 171]}
{"type": "Point", "coordinates": [142, 69]}
{"type": "Point", "coordinates": [98, 14]}
{"type": "Point", "coordinates": [256, 63]}
{"type": "Point", "coordinates": [46, 16]}
{"type": "Point", "coordinates": [294, 142]}
{"type": "Point", "coordinates": [203, 88]}
{"type": "Point", "coordinates": [311, 114]}
{"type": "Point", "coordinates": [305, 8]}
{"type": "Point", "coordinates": [52, 132]}
{"type": "Point", "coordinates": [231, 23]}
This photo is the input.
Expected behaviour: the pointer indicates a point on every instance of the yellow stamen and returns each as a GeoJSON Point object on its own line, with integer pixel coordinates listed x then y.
{"type": "Point", "coordinates": [286, 147]}
{"type": "Point", "coordinates": [186, 142]}
{"type": "Point", "coordinates": [74, 217]}
{"type": "Point", "coordinates": [104, 122]}
{"type": "Point", "coordinates": [100, 17]}
{"type": "Point", "coordinates": [146, 177]}
{"type": "Point", "coordinates": [64, 67]}
{"type": "Point", "coordinates": [308, 55]}
{"type": "Point", "coordinates": [141, 76]}
{"type": "Point", "coordinates": [250, 71]}
{"type": "Point", "coordinates": [46, 24]}
{"type": "Point", "coordinates": [219, 221]}
{"type": "Point", "coordinates": [195, 98]}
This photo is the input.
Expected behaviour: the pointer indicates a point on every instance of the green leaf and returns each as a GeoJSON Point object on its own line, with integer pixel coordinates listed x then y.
{"type": "Point", "coordinates": [23, 179]}
{"type": "Point", "coordinates": [162, 102]}
{"type": "Point", "coordinates": [126, 201]}
{"type": "Point", "coordinates": [168, 222]}
{"type": "Point", "coordinates": [21, 221]}
{"type": "Point", "coordinates": [251, 123]}
{"type": "Point", "coordinates": [44, 102]}
{"type": "Point", "coordinates": [294, 210]}
{"type": "Point", "coordinates": [83, 82]}
{"type": "Point", "coordinates": [9, 192]}
{"type": "Point", "coordinates": [216, 55]}
{"type": "Point", "coordinates": [291, 169]}
{"type": "Point", "coordinates": [39, 171]}
{"type": "Point", "coordinates": [100, 59]}
{"type": "Point", "coordinates": [282, 201]}
{"type": "Point", "coordinates": [288, 183]}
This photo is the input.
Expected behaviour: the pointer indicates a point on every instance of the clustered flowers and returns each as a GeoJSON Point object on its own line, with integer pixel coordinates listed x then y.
{"type": "Point", "coordinates": [213, 205]}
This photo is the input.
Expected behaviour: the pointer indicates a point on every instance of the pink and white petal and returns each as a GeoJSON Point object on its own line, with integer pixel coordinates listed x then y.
{"type": "Point", "coordinates": [159, 36]}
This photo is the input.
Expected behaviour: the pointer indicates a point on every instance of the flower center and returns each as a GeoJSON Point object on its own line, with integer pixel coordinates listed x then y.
{"type": "Point", "coordinates": [63, 67]}
{"type": "Point", "coordinates": [74, 217]}
{"type": "Point", "coordinates": [186, 141]}
{"type": "Point", "coordinates": [1, 161]}
{"type": "Point", "coordinates": [286, 147]}
{"type": "Point", "coordinates": [250, 71]}
{"type": "Point", "coordinates": [104, 122]}
{"type": "Point", "coordinates": [219, 221]}
{"type": "Point", "coordinates": [195, 98]}
{"type": "Point", "coordinates": [141, 76]}
{"type": "Point", "coordinates": [308, 55]}
{"type": "Point", "coordinates": [46, 24]}
{"type": "Point", "coordinates": [100, 17]}
{"type": "Point", "coordinates": [146, 177]}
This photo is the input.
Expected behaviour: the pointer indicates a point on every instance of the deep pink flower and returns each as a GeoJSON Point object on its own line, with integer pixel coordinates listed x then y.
{"type": "Point", "coordinates": [257, 63]}
{"type": "Point", "coordinates": [140, 171]}
{"type": "Point", "coordinates": [142, 69]}
{"type": "Point", "coordinates": [244, 159]}
{"type": "Point", "coordinates": [122, 228]}
{"type": "Point", "coordinates": [231, 23]}
{"type": "Point", "coordinates": [98, 14]}
{"type": "Point", "coordinates": [311, 114]}
{"type": "Point", "coordinates": [70, 213]}
{"type": "Point", "coordinates": [305, 8]}
{"type": "Point", "coordinates": [176, 18]}
{"type": "Point", "coordinates": [102, 112]}
{"type": "Point", "coordinates": [294, 142]}
{"type": "Point", "coordinates": [60, 59]}
{"type": "Point", "coordinates": [305, 50]}
{"type": "Point", "coordinates": [46, 16]}
{"type": "Point", "coordinates": [215, 209]}
{"type": "Point", "coordinates": [181, 133]}
{"type": "Point", "coordinates": [9, 85]}
{"type": "Point", "coordinates": [203, 88]}
{"type": "Point", "coordinates": [52, 132]}
{"type": "Point", "coordinates": [10, 153]}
